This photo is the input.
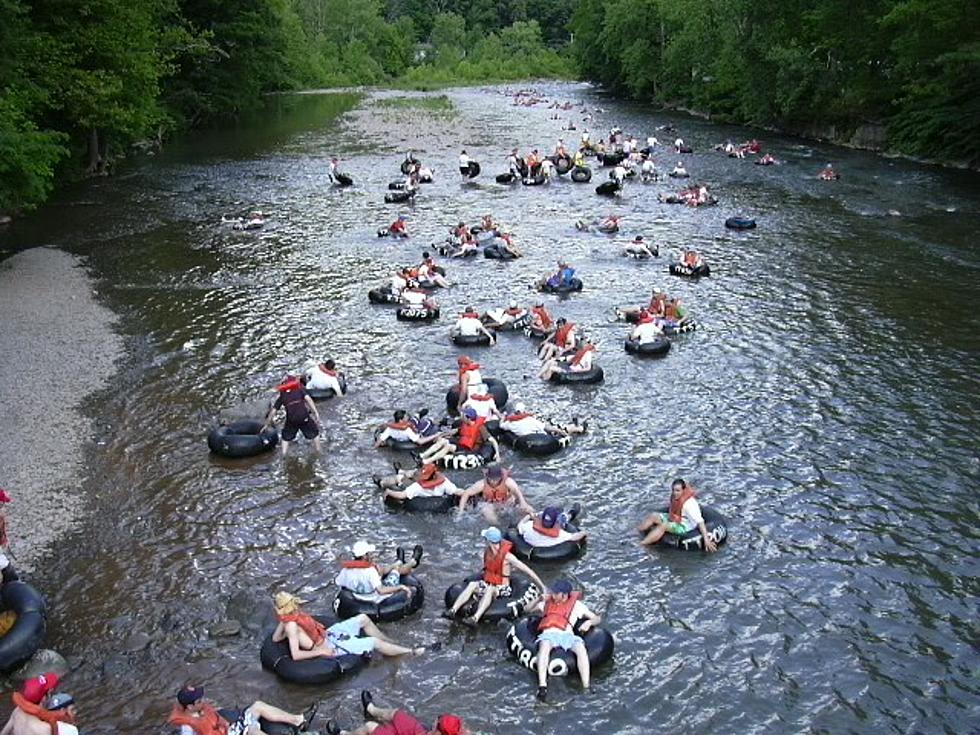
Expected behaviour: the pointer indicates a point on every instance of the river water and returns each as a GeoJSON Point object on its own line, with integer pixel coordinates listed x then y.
{"type": "Point", "coordinates": [827, 404]}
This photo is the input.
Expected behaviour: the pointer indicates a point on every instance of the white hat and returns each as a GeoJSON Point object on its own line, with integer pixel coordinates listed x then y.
{"type": "Point", "coordinates": [363, 548]}
{"type": "Point", "coordinates": [513, 303]}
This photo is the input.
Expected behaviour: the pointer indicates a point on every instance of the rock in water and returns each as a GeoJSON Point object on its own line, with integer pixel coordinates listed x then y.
{"type": "Point", "coordinates": [225, 628]}
{"type": "Point", "coordinates": [41, 662]}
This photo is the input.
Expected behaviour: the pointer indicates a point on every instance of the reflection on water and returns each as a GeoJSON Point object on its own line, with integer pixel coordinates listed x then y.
{"type": "Point", "coordinates": [826, 403]}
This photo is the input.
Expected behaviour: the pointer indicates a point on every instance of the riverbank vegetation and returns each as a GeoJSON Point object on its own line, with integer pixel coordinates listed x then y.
{"type": "Point", "coordinates": [83, 81]}
{"type": "Point", "coordinates": [909, 68]}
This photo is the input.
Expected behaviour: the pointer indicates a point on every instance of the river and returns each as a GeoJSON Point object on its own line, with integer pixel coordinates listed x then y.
{"type": "Point", "coordinates": [827, 404]}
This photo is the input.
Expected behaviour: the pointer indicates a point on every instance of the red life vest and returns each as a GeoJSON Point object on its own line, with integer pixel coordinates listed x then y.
{"type": "Point", "coordinates": [544, 316]}
{"type": "Point", "coordinates": [209, 722]}
{"type": "Point", "coordinates": [397, 226]}
{"type": "Point", "coordinates": [691, 259]}
{"type": "Point", "coordinates": [470, 435]}
{"type": "Point", "coordinates": [324, 369]}
{"type": "Point", "coordinates": [518, 416]}
{"type": "Point", "coordinates": [493, 564]}
{"type": "Point", "coordinates": [469, 315]}
{"type": "Point", "coordinates": [289, 385]}
{"type": "Point", "coordinates": [645, 317]}
{"type": "Point", "coordinates": [51, 717]}
{"type": "Point", "coordinates": [357, 564]}
{"type": "Point", "coordinates": [433, 482]}
{"type": "Point", "coordinates": [463, 369]}
{"type": "Point", "coordinates": [580, 355]}
{"type": "Point", "coordinates": [552, 532]}
{"type": "Point", "coordinates": [657, 303]}
{"type": "Point", "coordinates": [496, 493]}
{"type": "Point", "coordinates": [558, 615]}
{"type": "Point", "coordinates": [406, 424]}
{"type": "Point", "coordinates": [308, 624]}
{"type": "Point", "coordinates": [561, 336]}
{"type": "Point", "coordinates": [677, 504]}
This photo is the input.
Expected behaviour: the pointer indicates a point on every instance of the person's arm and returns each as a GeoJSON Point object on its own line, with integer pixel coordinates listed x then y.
{"type": "Point", "coordinates": [709, 543]}
{"type": "Point", "coordinates": [271, 415]}
{"type": "Point", "coordinates": [522, 567]}
{"type": "Point", "coordinates": [475, 489]}
{"type": "Point", "coordinates": [382, 437]}
{"type": "Point", "coordinates": [488, 438]}
{"type": "Point", "coordinates": [487, 332]}
{"type": "Point", "coordinates": [591, 619]}
{"type": "Point", "coordinates": [295, 652]}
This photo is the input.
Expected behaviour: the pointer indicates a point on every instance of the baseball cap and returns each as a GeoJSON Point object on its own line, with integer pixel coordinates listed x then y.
{"type": "Point", "coordinates": [59, 701]}
{"type": "Point", "coordinates": [513, 303]}
{"type": "Point", "coordinates": [562, 587]}
{"type": "Point", "coordinates": [449, 725]}
{"type": "Point", "coordinates": [360, 548]}
{"type": "Point", "coordinates": [549, 516]}
{"type": "Point", "coordinates": [495, 471]}
{"type": "Point", "coordinates": [191, 694]}
{"type": "Point", "coordinates": [469, 412]}
{"type": "Point", "coordinates": [35, 689]}
{"type": "Point", "coordinates": [492, 534]}
{"type": "Point", "coordinates": [286, 602]}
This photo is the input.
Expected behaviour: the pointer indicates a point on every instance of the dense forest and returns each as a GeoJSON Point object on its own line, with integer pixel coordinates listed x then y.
{"type": "Point", "coordinates": [82, 81]}
{"type": "Point", "coordinates": [910, 68]}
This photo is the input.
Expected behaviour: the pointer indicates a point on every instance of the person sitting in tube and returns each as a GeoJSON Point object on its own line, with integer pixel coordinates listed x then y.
{"type": "Point", "coordinates": [498, 563]}
{"type": "Point", "coordinates": [541, 319]}
{"type": "Point", "coordinates": [647, 329]}
{"type": "Point", "coordinates": [195, 715]}
{"type": "Point", "coordinates": [639, 248]}
{"type": "Point", "coordinates": [472, 436]}
{"type": "Point", "coordinates": [469, 379]}
{"type": "Point", "coordinates": [561, 611]}
{"type": "Point", "coordinates": [372, 582]}
{"type": "Point", "coordinates": [497, 490]}
{"type": "Point", "coordinates": [430, 482]}
{"type": "Point", "coordinates": [692, 259]}
{"type": "Point", "coordinates": [417, 298]}
{"type": "Point", "coordinates": [549, 528]}
{"type": "Point", "coordinates": [679, 170]}
{"type": "Point", "coordinates": [828, 173]}
{"type": "Point", "coordinates": [683, 516]}
{"type": "Point", "coordinates": [397, 722]}
{"type": "Point", "coordinates": [399, 228]}
{"type": "Point", "coordinates": [581, 362]}
{"type": "Point", "coordinates": [484, 405]}
{"type": "Point", "coordinates": [498, 318]}
{"type": "Point", "coordinates": [402, 430]}
{"type": "Point", "coordinates": [324, 376]}
{"type": "Point", "coordinates": [469, 325]}
{"type": "Point", "coordinates": [309, 639]}
{"type": "Point", "coordinates": [487, 223]}
{"type": "Point", "coordinates": [428, 270]}
{"type": "Point", "coordinates": [522, 423]}
{"type": "Point", "coordinates": [562, 341]}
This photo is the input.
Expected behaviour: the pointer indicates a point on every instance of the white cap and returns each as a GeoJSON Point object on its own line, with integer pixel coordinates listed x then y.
{"type": "Point", "coordinates": [513, 303]}
{"type": "Point", "coordinates": [362, 548]}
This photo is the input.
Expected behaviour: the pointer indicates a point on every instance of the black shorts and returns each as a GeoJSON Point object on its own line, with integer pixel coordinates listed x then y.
{"type": "Point", "coordinates": [309, 428]}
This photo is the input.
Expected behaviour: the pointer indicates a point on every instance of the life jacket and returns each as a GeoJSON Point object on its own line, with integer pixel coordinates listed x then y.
{"type": "Point", "coordinates": [289, 385]}
{"type": "Point", "coordinates": [357, 564]}
{"type": "Point", "coordinates": [433, 482]}
{"type": "Point", "coordinates": [670, 311]}
{"type": "Point", "coordinates": [468, 367]}
{"type": "Point", "coordinates": [496, 493]}
{"type": "Point", "coordinates": [558, 615]}
{"type": "Point", "coordinates": [400, 425]}
{"type": "Point", "coordinates": [518, 416]}
{"type": "Point", "coordinates": [397, 226]}
{"type": "Point", "coordinates": [326, 370]}
{"type": "Point", "coordinates": [470, 434]}
{"type": "Point", "coordinates": [645, 317]}
{"type": "Point", "coordinates": [308, 624]}
{"type": "Point", "coordinates": [677, 504]}
{"type": "Point", "coordinates": [51, 717]}
{"type": "Point", "coordinates": [469, 315]}
{"type": "Point", "coordinates": [658, 303]}
{"type": "Point", "coordinates": [543, 315]}
{"type": "Point", "coordinates": [412, 272]}
{"type": "Point", "coordinates": [691, 259]}
{"type": "Point", "coordinates": [552, 532]}
{"type": "Point", "coordinates": [580, 355]}
{"type": "Point", "coordinates": [493, 564]}
{"type": "Point", "coordinates": [561, 336]}
{"type": "Point", "coordinates": [209, 723]}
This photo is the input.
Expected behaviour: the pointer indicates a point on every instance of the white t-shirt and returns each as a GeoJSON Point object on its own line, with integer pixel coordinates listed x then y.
{"type": "Point", "coordinates": [648, 166]}
{"type": "Point", "coordinates": [446, 487]}
{"type": "Point", "coordinates": [647, 332]}
{"type": "Point", "coordinates": [483, 409]}
{"type": "Point", "coordinates": [524, 427]}
{"type": "Point", "coordinates": [464, 160]}
{"type": "Point", "coordinates": [679, 170]}
{"type": "Point", "coordinates": [316, 379]}
{"type": "Point", "coordinates": [362, 582]}
{"type": "Point", "coordinates": [691, 514]}
{"type": "Point", "coordinates": [399, 435]}
{"type": "Point", "coordinates": [533, 537]}
{"type": "Point", "coordinates": [619, 173]}
{"type": "Point", "coordinates": [468, 326]}
{"type": "Point", "coordinates": [413, 297]}
{"type": "Point", "coordinates": [679, 143]}
{"type": "Point", "coordinates": [65, 728]}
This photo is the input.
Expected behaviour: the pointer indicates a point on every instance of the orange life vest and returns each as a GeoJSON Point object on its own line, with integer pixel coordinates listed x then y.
{"type": "Point", "coordinates": [493, 564]}
{"type": "Point", "coordinates": [470, 434]}
{"type": "Point", "coordinates": [308, 624]}
{"type": "Point", "coordinates": [580, 355]}
{"type": "Point", "coordinates": [561, 336]}
{"type": "Point", "coordinates": [518, 416]}
{"type": "Point", "coordinates": [691, 259]}
{"type": "Point", "coordinates": [51, 717]}
{"type": "Point", "coordinates": [558, 614]}
{"type": "Point", "coordinates": [496, 493]}
{"type": "Point", "coordinates": [399, 424]}
{"type": "Point", "coordinates": [468, 367]}
{"type": "Point", "coordinates": [435, 481]}
{"type": "Point", "coordinates": [552, 532]}
{"type": "Point", "coordinates": [657, 303]}
{"type": "Point", "coordinates": [543, 315]}
{"type": "Point", "coordinates": [357, 564]}
{"type": "Point", "coordinates": [469, 315]}
{"type": "Point", "coordinates": [209, 723]}
{"type": "Point", "coordinates": [677, 504]}
{"type": "Point", "coordinates": [324, 369]}
{"type": "Point", "coordinates": [670, 311]}
{"type": "Point", "coordinates": [289, 385]}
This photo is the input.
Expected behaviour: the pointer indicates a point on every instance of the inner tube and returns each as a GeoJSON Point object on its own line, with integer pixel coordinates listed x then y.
{"type": "Point", "coordinates": [714, 522]}
{"type": "Point", "coordinates": [683, 327]}
{"type": "Point", "coordinates": [611, 159]}
{"type": "Point", "coordinates": [25, 637]}
{"type": "Point", "coordinates": [679, 269]}
{"type": "Point", "coordinates": [397, 185]}
{"type": "Point", "coordinates": [243, 438]}
{"type": "Point", "coordinates": [581, 174]}
{"type": "Point", "coordinates": [534, 445]}
{"type": "Point", "coordinates": [276, 658]}
{"type": "Point", "coordinates": [670, 199]}
{"type": "Point", "coordinates": [559, 552]}
{"type": "Point", "coordinates": [608, 229]}
{"type": "Point", "coordinates": [343, 179]}
{"type": "Point", "coordinates": [535, 180]}
{"type": "Point", "coordinates": [383, 296]}
{"type": "Point", "coordinates": [520, 323]}
{"type": "Point", "coordinates": [595, 375]}
{"type": "Point", "coordinates": [495, 387]}
{"type": "Point", "coordinates": [424, 504]}
{"type": "Point", "coordinates": [471, 340]}
{"type": "Point", "coordinates": [740, 223]}
{"type": "Point", "coordinates": [397, 197]}
{"type": "Point", "coordinates": [574, 285]}
{"type": "Point", "coordinates": [522, 642]}
{"type": "Point", "coordinates": [497, 252]}
{"type": "Point", "coordinates": [685, 149]}
{"type": "Point", "coordinates": [658, 348]}
{"type": "Point", "coordinates": [322, 394]}
{"type": "Point", "coordinates": [537, 334]}
{"type": "Point", "coordinates": [679, 175]}
{"type": "Point", "coordinates": [524, 593]}
{"type": "Point", "coordinates": [469, 460]}
{"type": "Point", "coordinates": [269, 728]}
{"type": "Point", "coordinates": [608, 188]}
{"type": "Point", "coordinates": [393, 607]}
{"type": "Point", "coordinates": [416, 314]}
{"type": "Point", "coordinates": [470, 171]}
{"type": "Point", "coordinates": [507, 178]}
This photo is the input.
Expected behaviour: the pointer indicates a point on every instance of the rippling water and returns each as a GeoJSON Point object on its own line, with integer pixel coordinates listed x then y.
{"type": "Point", "coordinates": [827, 403]}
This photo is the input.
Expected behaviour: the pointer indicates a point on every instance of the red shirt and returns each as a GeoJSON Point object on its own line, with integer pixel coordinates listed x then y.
{"type": "Point", "coordinates": [402, 724]}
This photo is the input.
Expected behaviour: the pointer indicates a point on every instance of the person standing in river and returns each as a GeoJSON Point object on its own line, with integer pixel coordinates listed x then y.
{"type": "Point", "coordinates": [301, 413]}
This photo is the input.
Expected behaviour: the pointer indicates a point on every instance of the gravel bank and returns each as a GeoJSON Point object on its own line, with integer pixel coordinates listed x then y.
{"type": "Point", "coordinates": [58, 346]}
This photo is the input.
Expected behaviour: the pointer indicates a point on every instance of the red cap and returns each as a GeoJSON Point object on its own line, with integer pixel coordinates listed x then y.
{"type": "Point", "coordinates": [449, 725]}
{"type": "Point", "coordinates": [35, 689]}
{"type": "Point", "coordinates": [4, 497]}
